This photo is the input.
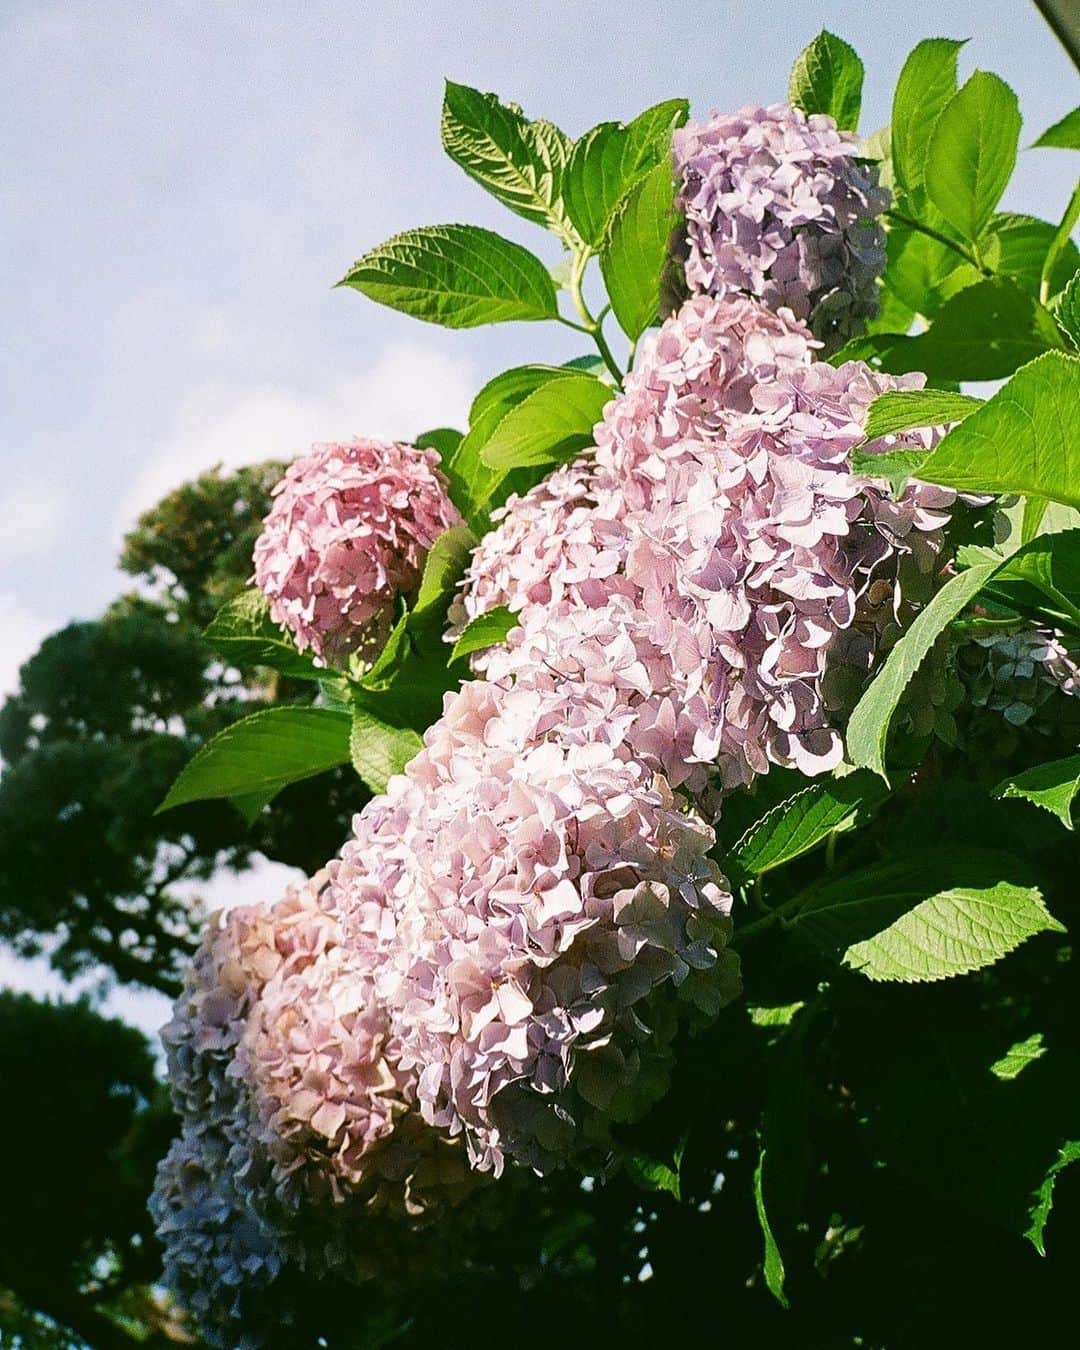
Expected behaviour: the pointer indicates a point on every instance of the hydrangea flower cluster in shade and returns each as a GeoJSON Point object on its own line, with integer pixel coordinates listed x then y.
{"type": "Point", "coordinates": [347, 535]}
{"type": "Point", "coordinates": [778, 206]}
{"type": "Point", "coordinates": [546, 888]}
{"type": "Point", "coordinates": [696, 574]}
{"type": "Point", "coordinates": [1016, 674]}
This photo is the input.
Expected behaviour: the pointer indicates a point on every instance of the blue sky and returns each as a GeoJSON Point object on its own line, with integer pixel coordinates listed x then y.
{"type": "Point", "coordinates": [185, 180]}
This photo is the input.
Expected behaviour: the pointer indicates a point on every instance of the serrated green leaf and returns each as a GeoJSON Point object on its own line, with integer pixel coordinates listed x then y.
{"type": "Point", "coordinates": [459, 276]}
{"type": "Point", "coordinates": [827, 78]}
{"type": "Point", "coordinates": [972, 152]}
{"type": "Point", "coordinates": [868, 727]}
{"type": "Point", "coordinates": [984, 332]}
{"type": "Point", "coordinates": [244, 633]}
{"type": "Point", "coordinates": [636, 250]}
{"type": "Point", "coordinates": [1064, 135]}
{"type": "Point", "coordinates": [521, 163]}
{"type": "Point", "coordinates": [444, 565]}
{"type": "Point", "coordinates": [1020, 440]}
{"type": "Point", "coordinates": [924, 920]}
{"type": "Point", "coordinates": [803, 821]}
{"type": "Point", "coordinates": [921, 271]}
{"type": "Point", "coordinates": [1052, 786]}
{"type": "Point", "coordinates": [549, 425]}
{"type": "Point", "coordinates": [1044, 1196]}
{"type": "Point", "coordinates": [262, 753]}
{"type": "Point", "coordinates": [1043, 577]}
{"type": "Point", "coordinates": [1018, 1057]}
{"type": "Point", "coordinates": [1060, 245]}
{"type": "Point", "coordinates": [1068, 310]}
{"type": "Point", "coordinates": [486, 630]}
{"type": "Point", "coordinates": [926, 84]}
{"type": "Point", "coordinates": [906, 409]}
{"type": "Point", "coordinates": [379, 750]}
{"type": "Point", "coordinates": [608, 160]}
{"type": "Point", "coordinates": [895, 466]}
{"type": "Point", "coordinates": [1016, 246]}
{"type": "Point", "coordinates": [653, 1175]}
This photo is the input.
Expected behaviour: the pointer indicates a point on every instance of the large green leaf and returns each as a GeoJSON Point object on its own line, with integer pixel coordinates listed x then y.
{"type": "Point", "coordinates": [1016, 246]}
{"type": "Point", "coordinates": [1052, 786]}
{"type": "Point", "coordinates": [455, 275]}
{"type": "Point", "coordinates": [549, 425]}
{"type": "Point", "coordinates": [608, 160]}
{"type": "Point", "coordinates": [521, 163]}
{"type": "Point", "coordinates": [1065, 135]}
{"type": "Point", "coordinates": [262, 753]}
{"type": "Point", "coordinates": [984, 332]}
{"type": "Point", "coordinates": [972, 152]}
{"type": "Point", "coordinates": [1043, 577]}
{"type": "Point", "coordinates": [1068, 310]}
{"type": "Point", "coordinates": [926, 84]}
{"type": "Point", "coordinates": [379, 750]}
{"type": "Point", "coordinates": [926, 919]}
{"type": "Point", "coordinates": [921, 271]}
{"type": "Point", "coordinates": [244, 633]}
{"type": "Point", "coordinates": [827, 78]}
{"type": "Point", "coordinates": [868, 727]}
{"type": "Point", "coordinates": [1021, 440]}
{"type": "Point", "coordinates": [802, 822]}
{"type": "Point", "coordinates": [636, 250]}
{"type": "Point", "coordinates": [906, 409]}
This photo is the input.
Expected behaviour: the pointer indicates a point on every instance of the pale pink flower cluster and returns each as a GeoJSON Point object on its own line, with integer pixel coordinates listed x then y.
{"type": "Point", "coordinates": [346, 538]}
{"type": "Point", "coordinates": [695, 574]}
{"type": "Point", "coordinates": [545, 887]}
{"type": "Point", "coordinates": [778, 205]}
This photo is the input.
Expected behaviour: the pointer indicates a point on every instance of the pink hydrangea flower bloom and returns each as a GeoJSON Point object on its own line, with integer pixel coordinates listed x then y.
{"type": "Point", "coordinates": [701, 566]}
{"type": "Point", "coordinates": [347, 535]}
{"type": "Point", "coordinates": [778, 205]}
{"type": "Point", "coordinates": [545, 886]}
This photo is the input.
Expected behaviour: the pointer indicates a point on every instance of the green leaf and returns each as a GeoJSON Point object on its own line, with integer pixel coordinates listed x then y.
{"type": "Point", "coordinates": [906, 409]}
{"type": "Point", "coordinates": [653, 1175]}
{"type": "Point", "coordinates": [1044, 1196]}
{"type": "Point", "coordinates": [1052, 786]}
{"type": "Point", "coordinates": [636, 250]}
{"type": "Point", "coordinates": [802, 822]}
{"type": "Point", "coordinates": [868, 727]}
{"type": "Point", "coordinates": [549, 425]}
{"type": "Point", "coordinates": [923, 919]}
{"type": "Point", "coordinates": [262, 753]}
{"type": "Point", "coordinates": [1018, 1057]}
{"type": "Point", "coordinates": [521, 163]}
{"type": "Point", "coordinates": [922, 271]}
{"type": "Point", "coordinates": [608, 160]}
{"type": "Point", "coordinates": [244, 633]}
{"type": "Point", "coordinates": [972, 152]}
{"type": "Point", "coordinates": [251, 804]}
{"type": "Point", "coordinates": [896, 466]}
{"type": "Point", "coordinates": [1065, 135]}
{"type": "Point", "coordinates": [1043, 576]}
{"type": "Point", "coordinates": [984, 332]}
{"type": "Point", "coordinates": [774, 1015]}
{"type": "Point", "coordinates": [486, 630]}
{"type": "Point", "coordinates": [379, 750]}
{"type": "Point", "coordinates": [1016, 246]}
{"type": "Point", "coordinates": [1021, 440]}
{"type": "Point", "coordinates": [446, 561]}
{"type": "Point", "coordinates": [455, 275]}
{"type": "Point", "coordinates": [926, 84]}
{"type": "Point", "coordinates": [774, 1261]}
{"type": "Point", "coordinates": [1068, 310]}
{"type": "Point", "coordinates": [1060, 246]}
{"type": "Point", "coordinates": [827, 78]}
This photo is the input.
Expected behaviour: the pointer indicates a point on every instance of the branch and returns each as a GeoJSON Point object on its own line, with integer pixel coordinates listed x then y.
{"type": "Point", "coordinates": [1063, 16]}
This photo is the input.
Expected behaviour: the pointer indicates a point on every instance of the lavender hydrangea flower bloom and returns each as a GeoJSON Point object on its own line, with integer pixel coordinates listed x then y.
{"type": "Point", "coordinates": [347, 535]}
{"type": "Point", "coordinates": [547, 887]}
{"type": "Point", "coordinates": [700, 568]}
{"type": "Point", "coordinates": [1016, 674]}
{"type": "Point", "coordinates": [778, 206]}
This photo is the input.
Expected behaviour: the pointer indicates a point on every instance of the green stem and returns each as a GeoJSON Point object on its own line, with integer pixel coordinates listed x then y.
{"type": "Point", "coordinates": [759, 925]}
{"type": "Point", "coordinates": [591, 325]}
{"type": "Point", "coordinates": [968, 255]}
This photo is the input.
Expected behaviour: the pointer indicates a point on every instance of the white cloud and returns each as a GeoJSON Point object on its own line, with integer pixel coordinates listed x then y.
{"type": "Point", "coordinates": [409, 389]}
{"type": "Point", "coordinates": [21, 631]}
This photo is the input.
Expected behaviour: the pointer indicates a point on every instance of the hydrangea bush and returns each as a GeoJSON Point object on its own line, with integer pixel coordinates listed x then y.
{"type": "Point", "coordinates": [644, 668]}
